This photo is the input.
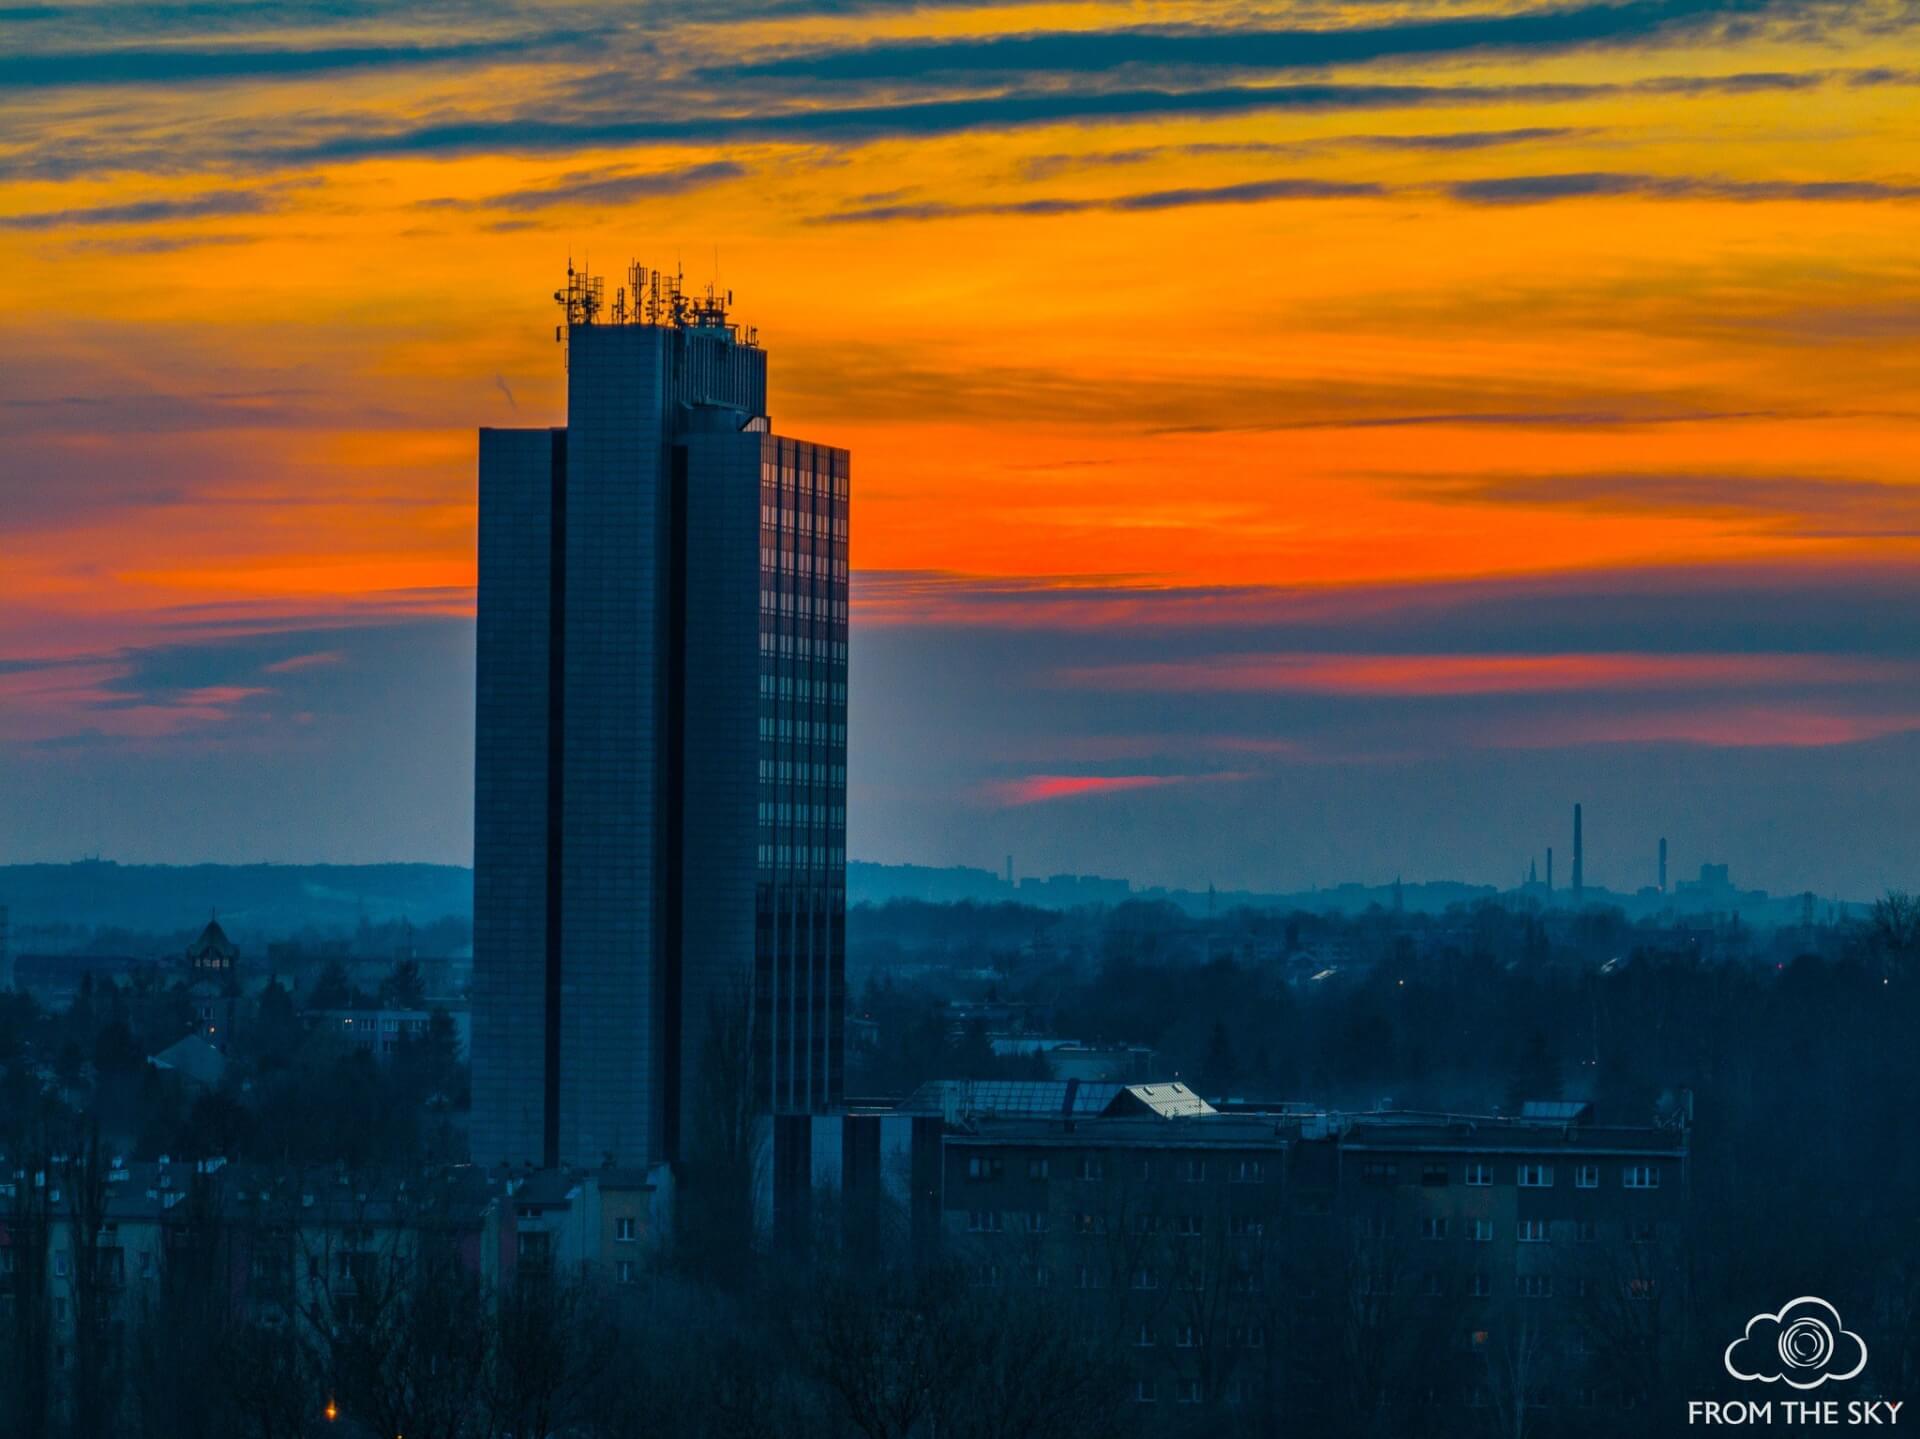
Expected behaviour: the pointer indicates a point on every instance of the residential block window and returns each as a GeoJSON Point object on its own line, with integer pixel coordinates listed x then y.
{"type": "Point", "coordinates": [1036, 1169]}
{"type": "Point", "coordinates": [1433, 1284]}
{"type": "Point", "coordinates": [1187, 1391]}
{"type": "Point", "coordinates": [1483, 1231]}
{"type": "Point", "coordinates": [985, 1221]}
{"type": "Point", "coordinates": [1042, 1276]}
{"type": "Point", "coordinates": [625, 1230]}
{"type": "Point", "coordinates": [1536, 1176]}
{"type": "Point", "coordinates": [1143, 1391]}
{"type": "Point", "coordinates": [1479, 1173]}
{"type": "Point", "coordinates": [1536, 1286]}
{"type": "Point", "coordinates": [1533, 1231]}
{"type": "Point", "coordinates": [1190, 1225]}
{"type": "Point", "coordinates": [1089, 1224]}
{"type": "Point", "coordinates": [1482, 1286]}
{"type": "Point", "coordinates": [984, 1166]}
{"type": "Point", "coordinates": [1373, 1226]}
{"type": "Point", "coordinates": [1587, 1231]}
{"type": "Point", "coordinates": [1433, 1174]}
{"type": "Point", "coordinates": [1433, 1227]}
{"type": "Point", "coordinates": [1186, 1336]}
{"type": "Point", "coordinates": [1586, 1176]}
{"type": "Point", "coordinates": [1092, 1167]}
{"type": "Point", "coordinates": [623, 1271]}
{"type": "Point", "coordinates": [1246, 1226]}
{"type": "Point", "coordinates": [1144, 1338]}
{"type": "Point", "coordinates": [1192, 1171]}
{"type": "Point", "coordinates": [1641, 1176]}
{"type": "Point", "coordinates": [1379, 1171]}
{"type": "Point", "coordinates": [1250, 1336]}
{"type": "Point", "coordinates": [1088, 1277]}
{"type": "Point", "coordinates": [1145, 1279]}
{"type": "Point", "coordinates": [1034, 1222]}
{"type": "Point", "coordinates": [1249, 1171]}
{"type": "Point", "coordinates": [1640, 1231]}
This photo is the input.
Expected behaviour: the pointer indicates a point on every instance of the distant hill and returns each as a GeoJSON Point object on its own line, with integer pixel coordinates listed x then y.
{"type": "Point", "coordinates": [280, 899]}
{"type": "Point", "coordinates": [250, 898]}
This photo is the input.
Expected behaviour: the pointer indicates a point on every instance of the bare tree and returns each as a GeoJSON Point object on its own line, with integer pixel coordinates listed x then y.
{"type": "Point", "coordinates": [26, 1400]}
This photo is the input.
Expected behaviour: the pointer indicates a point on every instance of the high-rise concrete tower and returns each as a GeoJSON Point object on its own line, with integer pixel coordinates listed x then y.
{"type": "Point", "coordinates": [660, 758]}
{"type": "Point", "coordinates": [1663, 864]}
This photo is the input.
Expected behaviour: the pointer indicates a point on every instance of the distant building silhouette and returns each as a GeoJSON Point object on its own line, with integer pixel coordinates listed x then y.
{"type": "Point", "coordinates": [1579, 855]}
{"type": "Point", "coordinates": [660, 762]}
{"type": "Point", "coordinates": [212, 955]}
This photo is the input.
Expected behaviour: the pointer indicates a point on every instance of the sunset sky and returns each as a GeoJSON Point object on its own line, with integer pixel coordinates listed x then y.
{"type": "Point", "coordinates": [1292, 443]}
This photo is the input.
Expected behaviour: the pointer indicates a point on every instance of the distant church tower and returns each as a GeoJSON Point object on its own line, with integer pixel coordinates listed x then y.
{"type": "Point", "coordinates": [212, 955]}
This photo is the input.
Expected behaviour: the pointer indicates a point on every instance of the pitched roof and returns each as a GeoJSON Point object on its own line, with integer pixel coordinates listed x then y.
{"type": "Point", "coordinates": [212, 939]}
{"type": "Point", "coordinates": [193, 1058]}
{"type": "Point", "coordinates": [1170, 1101]}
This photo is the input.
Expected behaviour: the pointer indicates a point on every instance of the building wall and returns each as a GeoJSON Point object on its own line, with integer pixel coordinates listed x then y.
{"type": "Point", "coordinates": [511, 801]}
{"type": "Point", "coordinates": [1191, 1244]}
{"type": "Point", "coordinates": [800, 892]}
{"type": "Point", "coordinates": [720, 764]}
{"type": "Point", "coordinates": [617, 519]}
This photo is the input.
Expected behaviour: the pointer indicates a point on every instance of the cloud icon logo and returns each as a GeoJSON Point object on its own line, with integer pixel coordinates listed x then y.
{"type": "Point", "coordinates": [1805, 1344]}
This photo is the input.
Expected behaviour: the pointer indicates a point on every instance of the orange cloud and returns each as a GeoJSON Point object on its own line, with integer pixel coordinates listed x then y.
{"type": "Point", "coordinates": [1455, 674]}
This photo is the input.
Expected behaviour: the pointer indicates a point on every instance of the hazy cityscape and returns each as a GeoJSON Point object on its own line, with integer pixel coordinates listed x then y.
{"type": "Point", "coordinates": [667, 1117]}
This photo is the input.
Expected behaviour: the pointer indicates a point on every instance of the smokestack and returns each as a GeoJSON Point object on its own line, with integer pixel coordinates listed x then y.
{"type": "Point", "coordinates": [1579, 881]}
{"type": "Point", "coordinates": [1663, 864]}
{"type": "Point", "coordinates": [1549, 867]}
